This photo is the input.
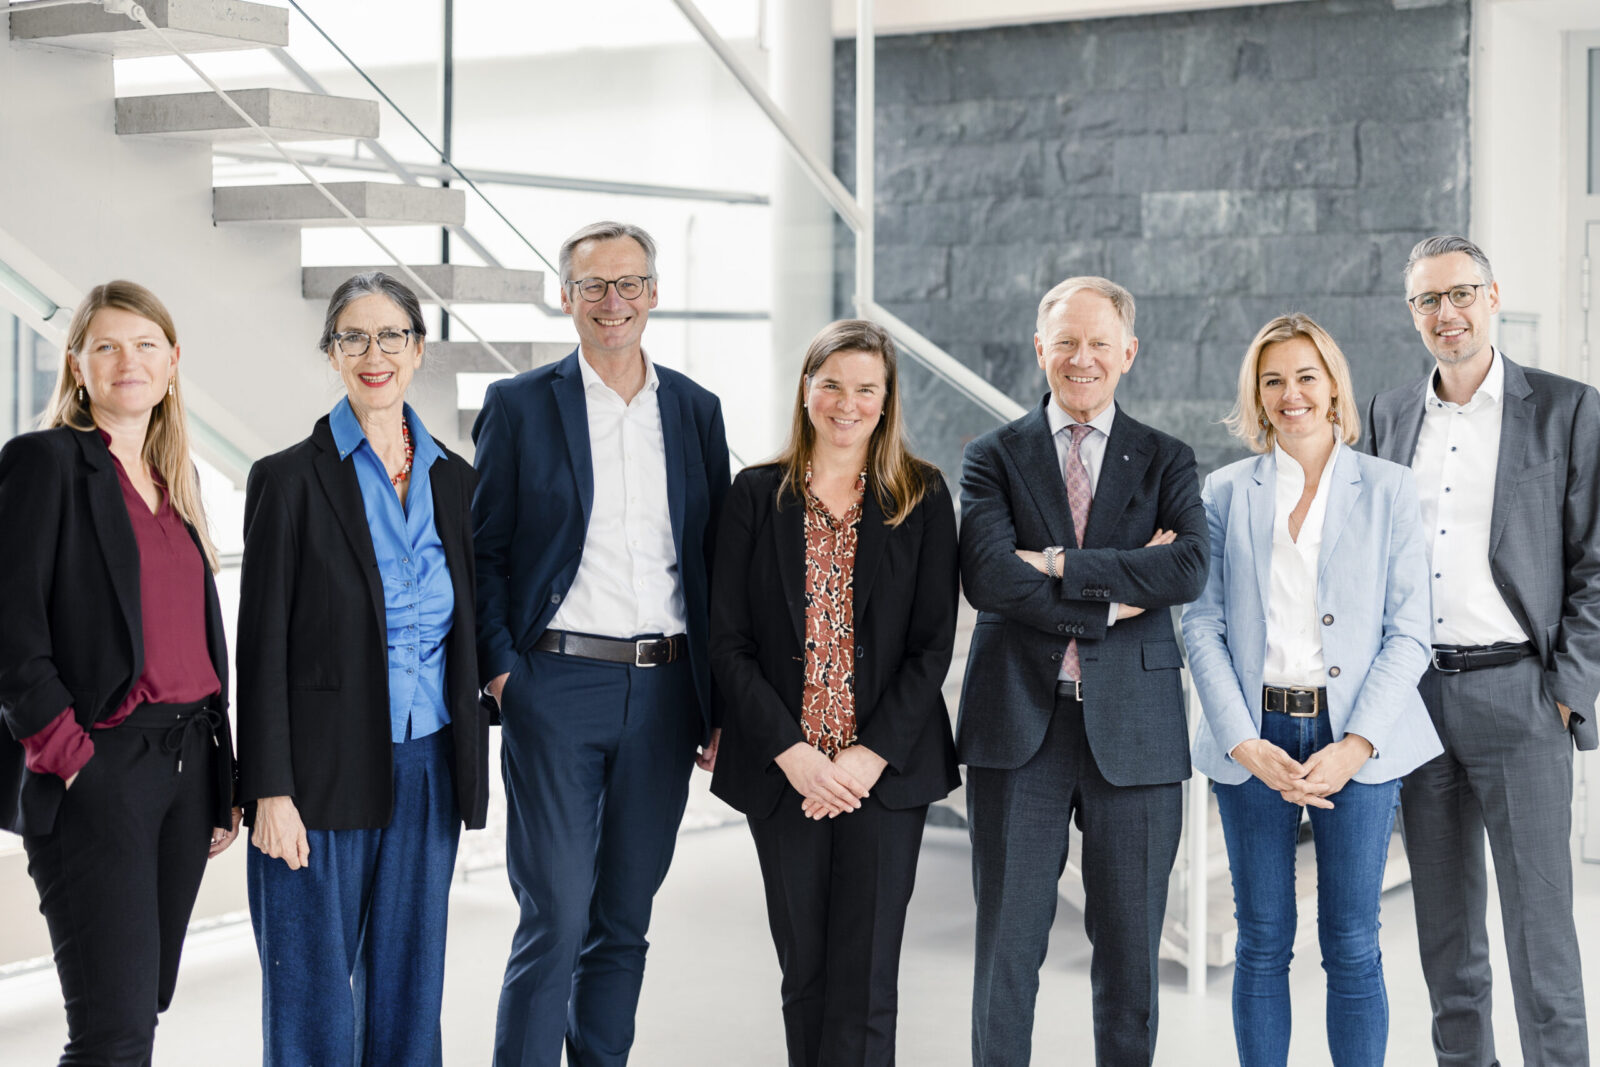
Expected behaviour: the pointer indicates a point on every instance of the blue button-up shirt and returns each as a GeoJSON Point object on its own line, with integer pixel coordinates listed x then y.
{"type": "Point", "coordinates": [417, 595]}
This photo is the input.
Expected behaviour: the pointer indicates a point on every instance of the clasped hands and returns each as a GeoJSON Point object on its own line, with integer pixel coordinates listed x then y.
{"type": "Point", "coordinates": [1307, 784]}
{"type": "Point", "coordinates": [830, 787]}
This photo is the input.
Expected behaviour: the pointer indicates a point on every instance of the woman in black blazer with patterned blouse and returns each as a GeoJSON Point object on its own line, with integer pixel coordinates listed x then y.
{"type": "Point", "coordinates": [833, 614]}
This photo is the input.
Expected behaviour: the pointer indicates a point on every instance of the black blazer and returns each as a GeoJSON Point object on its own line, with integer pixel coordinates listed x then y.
{"type": "Point", "coordinates": [313, 642]}
{"type": "Point", "coordinates": [905, 596]}
{"type": "Point", "coordinates": [71, 631]}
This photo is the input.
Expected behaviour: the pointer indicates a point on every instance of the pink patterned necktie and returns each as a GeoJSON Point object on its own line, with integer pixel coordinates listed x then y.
{"type": "Point", "coordinates": [1079, 495]}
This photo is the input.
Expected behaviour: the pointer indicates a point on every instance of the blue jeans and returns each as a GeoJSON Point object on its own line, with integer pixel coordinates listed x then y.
{"type": "Point", "coordinates": [1352, 842]}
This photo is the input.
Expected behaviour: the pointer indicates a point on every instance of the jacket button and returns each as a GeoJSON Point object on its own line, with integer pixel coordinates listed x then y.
{"type": "Point", "coordinates": [555, 598]}
{"type": "Point", "coordinates": [1333, 672]}
{"type": "Point", "coordinates": [1327, 620]}
{"type": "Point", "coordinates": [1089, 594]}
{"type": "Point", "coordinates": [861, 650]}
{"type": "Point", "coordinates": [1061, 627]}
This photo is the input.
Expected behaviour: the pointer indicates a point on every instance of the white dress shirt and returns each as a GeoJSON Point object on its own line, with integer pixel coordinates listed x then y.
{"type": "Point", "coordinates": [1294, 625]}
{"type": "Point", "coordinates": [628, 582]}
{"type": "Point", "coordinates": [1458, 450]}
{"type": "Point", "coordinates": [1092, 450]}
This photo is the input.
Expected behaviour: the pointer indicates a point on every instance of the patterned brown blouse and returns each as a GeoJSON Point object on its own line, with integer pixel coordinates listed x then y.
{"type": "Point", "coordinates": [828, 705]}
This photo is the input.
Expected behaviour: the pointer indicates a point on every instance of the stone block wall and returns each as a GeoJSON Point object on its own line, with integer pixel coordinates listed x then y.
{"type": "Point", "coordinates": [1226, 166]}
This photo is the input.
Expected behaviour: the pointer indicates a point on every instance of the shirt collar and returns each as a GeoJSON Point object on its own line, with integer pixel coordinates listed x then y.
{"type": "Point", "coordinates": [591, 377]}
{"type": "Point", "coordinates": [349, 436]}
{"type": "Point", "coordinates": [1292, 476]}
{"type": "Point", "coordinates": [1490, 391]}
{"type": "Point", "coordinates": [1060, 420]}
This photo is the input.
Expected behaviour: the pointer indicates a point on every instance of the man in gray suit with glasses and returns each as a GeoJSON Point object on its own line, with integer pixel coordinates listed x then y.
{"type": "Point", "coordinates": [1505, 458]}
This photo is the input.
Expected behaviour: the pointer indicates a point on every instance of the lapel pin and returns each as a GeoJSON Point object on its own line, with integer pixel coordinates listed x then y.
{"type": "Point", "coordinates": [1124, 457]}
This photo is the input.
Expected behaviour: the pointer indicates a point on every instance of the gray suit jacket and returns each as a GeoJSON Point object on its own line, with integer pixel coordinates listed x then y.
{"type": "Point", "coordinates": [1544, 534]}
{"type": "Point", "coordinates": [1013, 496]}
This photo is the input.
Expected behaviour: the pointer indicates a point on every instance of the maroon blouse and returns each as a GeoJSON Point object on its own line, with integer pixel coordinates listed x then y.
{"type": "Point", "coordinates": [172, 602]}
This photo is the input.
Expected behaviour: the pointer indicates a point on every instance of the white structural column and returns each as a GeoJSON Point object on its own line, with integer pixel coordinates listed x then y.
{"type": "Point", "coordinates": [801, 32]}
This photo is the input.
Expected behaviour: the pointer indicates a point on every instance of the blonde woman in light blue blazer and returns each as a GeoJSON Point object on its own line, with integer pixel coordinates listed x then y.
{"type": "Point", "coordinates": [1306, 648]}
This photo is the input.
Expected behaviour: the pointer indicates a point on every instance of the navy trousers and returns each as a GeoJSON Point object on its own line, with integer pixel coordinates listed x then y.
{"type": "Point", "coordinates": [352, 945]}
{"type": "Point", "coordinates": [596, 758]}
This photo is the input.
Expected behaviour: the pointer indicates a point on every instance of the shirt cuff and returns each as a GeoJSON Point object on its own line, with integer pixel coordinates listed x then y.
{"type": "Point", "coordinates": [61, 749]}
{"type": "Point", "coordinates": [1111, 620]}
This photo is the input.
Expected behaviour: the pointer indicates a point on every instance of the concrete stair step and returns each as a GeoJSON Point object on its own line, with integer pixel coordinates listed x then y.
{"type": "Point", "coordinates": [374, 203]}
{"type": "Point", "coordinates": [287, 115]}
{"type": "Point", "coordinates": [452, 281]}
{"type": "Point", "coordinates": [193, 25]}
{"type": "Point", "coordinates": [470, 357]}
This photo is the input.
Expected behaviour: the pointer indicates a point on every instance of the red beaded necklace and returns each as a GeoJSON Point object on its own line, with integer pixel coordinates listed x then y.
{"type": "Point", "coordinates": [405, 472]}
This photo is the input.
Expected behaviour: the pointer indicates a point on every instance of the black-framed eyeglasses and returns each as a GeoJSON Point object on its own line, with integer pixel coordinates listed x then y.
{"type": "Point", "coordinates": [354, 343]}
{"type": "Point", "coordinates": [629, 287]}
{"type": "Point", "coordinates": [1460, 295]}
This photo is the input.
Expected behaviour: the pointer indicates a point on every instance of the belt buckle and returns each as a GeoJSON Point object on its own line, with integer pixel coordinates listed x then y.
{"type": "Point", "coordinates": [1312, 714]}
{"type": "Point", "coordinates": [1077, 690]}
{"type": "Point", "coordinates": [1440, 668]}
{"type": "Point", "coordinates": [638, 651]}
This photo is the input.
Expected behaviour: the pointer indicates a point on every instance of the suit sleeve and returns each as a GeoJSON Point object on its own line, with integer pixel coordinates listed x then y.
{"type": "Point", "coordinates": [915, 691]}
{"type": "Point", "coordinates": [747, 695]}
{"type": "Point", "coordinates": [715, 449]}
{"type": "Point", "coordinates": [1205, 635]}
{"type": "Point", "coordinates": [992, 575]}
{"type": "Point", "coordinates": [494, 512]}
{"type": "Point", "coordinates": [1407, 630]}
{"type": "Point", "coordinates": [1574, 679]}
{"type": "Point", "coordinates": [1159, 577]}
{"type": "Point", "coordinates": [266, 601]}
{"type": "Point", "coordinates": [32, 498]}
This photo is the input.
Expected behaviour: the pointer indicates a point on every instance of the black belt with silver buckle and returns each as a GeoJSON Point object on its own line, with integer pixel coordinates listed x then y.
{"type": "Point", "coordinates": [641, 652]}
{"type": "Point", "coordinates": [1453, 659]}
{"type": "Point", "coordinates": [1295, 701]}
{"type": "Point", "coordinates": [1070, 690]}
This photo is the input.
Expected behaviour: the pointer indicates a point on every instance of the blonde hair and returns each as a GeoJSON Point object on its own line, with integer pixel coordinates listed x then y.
{"type": "Point", "coordinates": [166, 441]}
{"type": "Point", "coordinates": [897, 478]}
{"type": "Point", "coordinates": [1120, 298]}
{"type": "Point", "coordinates": [1248, 419]}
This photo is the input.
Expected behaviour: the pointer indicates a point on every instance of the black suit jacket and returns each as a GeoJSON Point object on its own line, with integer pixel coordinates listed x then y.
{"type": "Point", "coordinates": [313, 642]}
{"type": "Point", "coordinates": [1013, 496]}
{"type": "Point", "coordinates": [905, 620]}
{"type": "Point", "coordinates": [71, 633]}
{"type": "Point", "coordinates": [1544, 531]}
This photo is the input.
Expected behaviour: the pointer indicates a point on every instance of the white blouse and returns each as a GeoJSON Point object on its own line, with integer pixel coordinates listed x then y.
{"type": "Point", "coordinates": [1294, 631]}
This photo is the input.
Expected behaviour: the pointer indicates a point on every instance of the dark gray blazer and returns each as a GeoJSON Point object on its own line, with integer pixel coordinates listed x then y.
{"type": "Point", "coordinates": [1544, 535]}
{"type": "Point", "coordinates": [1013, 496]}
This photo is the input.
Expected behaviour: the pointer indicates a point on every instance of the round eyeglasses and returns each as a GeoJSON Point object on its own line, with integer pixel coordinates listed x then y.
{"type": "Point", "coordinates": [354, 343]}
{"type": "Point", "coordinates": [1459, 295]}
{"type": "Point", "coordinates": [593, 290]}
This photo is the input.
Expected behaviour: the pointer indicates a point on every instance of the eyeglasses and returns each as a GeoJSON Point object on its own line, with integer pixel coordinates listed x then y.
{"type": "Point", "coordinates": [593, 290]}
{"type": "Point", "coordinates": [354, 343]}
{"type": "Point", "coordinates": [1460, 295]}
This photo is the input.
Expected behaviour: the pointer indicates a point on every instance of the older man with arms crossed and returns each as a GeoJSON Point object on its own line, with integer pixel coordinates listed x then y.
{"type": "Point", "coordinates": [1080, 527]}
{"type": "Point", "coordinates": [600, 480]}
{"type": "Point", "coordinates": [1505, 458]}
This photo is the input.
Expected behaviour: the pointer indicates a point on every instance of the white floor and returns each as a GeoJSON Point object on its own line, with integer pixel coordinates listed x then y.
{"type": "Point", "coordinates": [711, 992]}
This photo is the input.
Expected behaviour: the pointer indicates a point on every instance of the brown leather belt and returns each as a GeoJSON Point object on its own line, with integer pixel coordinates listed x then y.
{"type": "Point", "coordinates": [641, 652]}
{"type": "Point", "coordinates": [1295, 701]}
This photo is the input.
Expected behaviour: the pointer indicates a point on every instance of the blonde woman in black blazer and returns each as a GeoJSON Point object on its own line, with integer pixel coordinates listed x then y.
{"type": "Point", "coordinates": [116, 765]}
{"type": "Point", "coordinates": [833, 613]}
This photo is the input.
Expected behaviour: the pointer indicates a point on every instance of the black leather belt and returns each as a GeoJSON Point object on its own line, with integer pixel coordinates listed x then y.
{"type": "Point", "coordinates": [642, 652]}
{"type": "Point", "coordinates": [1069, 691]}
{"type": "Point", "coordinates": [1295, 701]}
{"type": "Point", "coordinates": [1453, 659]}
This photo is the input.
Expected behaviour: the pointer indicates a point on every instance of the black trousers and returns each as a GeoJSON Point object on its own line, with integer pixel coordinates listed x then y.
{"type": "Point", "coordinates": [837, 892]}
{"type": "Point", "coordinates": [117, 880]}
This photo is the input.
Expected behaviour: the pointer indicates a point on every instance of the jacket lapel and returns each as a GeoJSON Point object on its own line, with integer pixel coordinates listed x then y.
{"type": "Point", "coordinates": [114, 530]}
{"type": "Point", "coordinates": [1401, 445]}
{"type": "Point", "coordinates": [789, 538]}
{"type": "Point", "coordinates": [667, 402]}
{"type": "Point", "coordinates": [1035, 450]}
{"type": "Point", "coordinates": [574, 409]}
{"type": "Point", "coordinates": [343, 490]}
{"type": "Point", "coordinates": [1516, 430]}
{"type": "Point", "coordinates": [1128, 454]}
{"type": "Point", "coordinates": [1343, 492]}
{"type": "Point", "coordinates": [871, 535]}
{"type": "Point", "coordinates": [1261, 498]}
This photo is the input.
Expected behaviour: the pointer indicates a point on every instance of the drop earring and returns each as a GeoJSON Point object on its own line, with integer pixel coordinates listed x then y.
{"type": "Point", "coordinates": [80, 394]}
{"type": "Point", "coordinates": [172, 389]}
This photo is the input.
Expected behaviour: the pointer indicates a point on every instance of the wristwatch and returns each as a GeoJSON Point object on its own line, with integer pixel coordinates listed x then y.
{"type": "Point", "coordinates": [1051, 555]}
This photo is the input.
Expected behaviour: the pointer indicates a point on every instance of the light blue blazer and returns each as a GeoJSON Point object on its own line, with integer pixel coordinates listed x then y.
{"type": "Point", "coordinates": [1372, 595]}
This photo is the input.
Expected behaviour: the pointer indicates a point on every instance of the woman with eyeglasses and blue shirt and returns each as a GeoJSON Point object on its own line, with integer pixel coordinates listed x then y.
{"type": "Point", "coordinates": [1306, 647]}
{"type": "Point", "coordinates": [362, 744]}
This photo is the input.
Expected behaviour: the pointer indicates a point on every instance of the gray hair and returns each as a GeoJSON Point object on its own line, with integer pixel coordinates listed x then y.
{"type": "Point", "coordinates": [607, 231]}
{"type": "Point", "coordinates": [373, 282]}
{"type": "Point", "coordinates": [1442, 245]}
{"type": "Point", "coordinates": [1120, 299]}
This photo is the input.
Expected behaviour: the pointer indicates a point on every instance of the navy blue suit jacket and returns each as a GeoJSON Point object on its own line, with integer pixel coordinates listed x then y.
{"type": "Point", "coordinates": [536, 490]}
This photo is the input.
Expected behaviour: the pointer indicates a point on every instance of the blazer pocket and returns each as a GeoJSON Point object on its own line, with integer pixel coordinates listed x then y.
{"type": "Point", "coordinates": [1539, 470]}
{"type": "Point", "coordinates": [1162, 656]}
